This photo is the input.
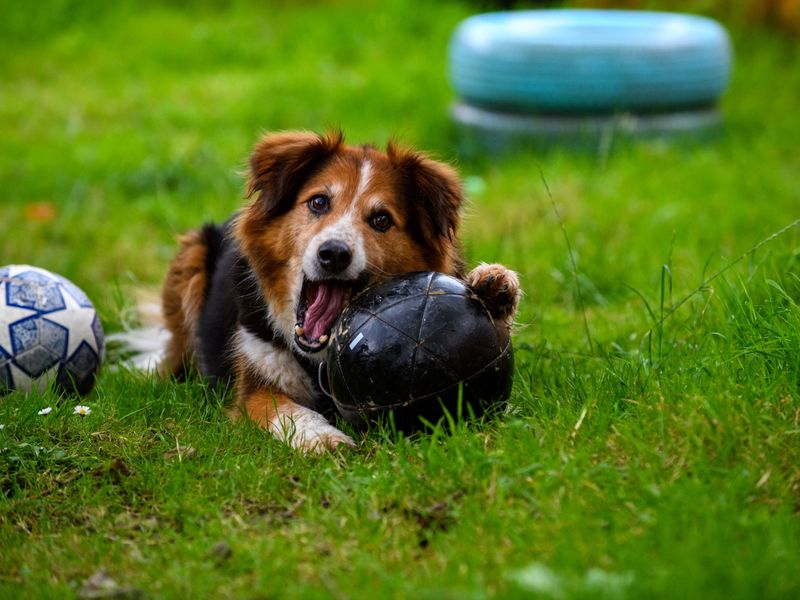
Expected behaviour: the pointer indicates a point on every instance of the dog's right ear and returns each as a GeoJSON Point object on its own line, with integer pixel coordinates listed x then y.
{"type": "Point", "coordinates": [282, 162]}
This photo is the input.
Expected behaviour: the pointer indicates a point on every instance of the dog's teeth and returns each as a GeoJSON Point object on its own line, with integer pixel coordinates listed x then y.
{"type": "Point", "coordinates": [323, 339]}
{"type": "Point", "coordinates": [298, 330]}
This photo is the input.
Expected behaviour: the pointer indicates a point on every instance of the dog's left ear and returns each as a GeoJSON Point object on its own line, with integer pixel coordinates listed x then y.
{"type": "Point", "coordinates": [282, 162]}
{"type": "Point", "coordinates": [433, 190]}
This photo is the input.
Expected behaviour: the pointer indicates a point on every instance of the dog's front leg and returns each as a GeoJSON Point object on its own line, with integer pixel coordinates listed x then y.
{"type": "Point", "coordinates": [499, 288]}
{"type": "Point", "coordinates": [298, 426]}
{"type": "Point", "coordinates": [271, 388]}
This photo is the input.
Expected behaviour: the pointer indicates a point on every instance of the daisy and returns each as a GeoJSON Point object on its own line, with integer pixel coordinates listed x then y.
{"type": "Point", "coordinates": [82, 410]}
{"type": "Point", "coordinates": [46, 411]}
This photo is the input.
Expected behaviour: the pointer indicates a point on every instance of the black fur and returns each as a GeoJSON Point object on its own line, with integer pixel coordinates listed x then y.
{"type": "Point", "coordinates": [233, 298]}
{"type": "Point", "coordinates": [217, 322]}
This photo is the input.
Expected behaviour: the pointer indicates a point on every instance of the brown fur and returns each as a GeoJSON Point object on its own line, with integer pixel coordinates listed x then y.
{"type": "Point", "coordinates": [181, 299]}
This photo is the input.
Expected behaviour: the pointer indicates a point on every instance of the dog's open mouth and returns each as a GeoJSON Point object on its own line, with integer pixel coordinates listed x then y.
{"type": "Point", "coordinates": [321, 302]}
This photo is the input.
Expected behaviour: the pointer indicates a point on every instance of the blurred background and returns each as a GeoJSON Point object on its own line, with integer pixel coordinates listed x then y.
{"type": "Point", "coordinates": [125, 123]}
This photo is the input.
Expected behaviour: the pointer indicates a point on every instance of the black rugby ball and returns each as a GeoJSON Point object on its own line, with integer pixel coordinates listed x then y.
{"type": "Point", "coordinates": [412, 346]}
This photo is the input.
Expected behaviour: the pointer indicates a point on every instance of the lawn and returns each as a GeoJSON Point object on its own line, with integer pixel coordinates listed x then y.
{"type": "Point", "coordinates": [652, 448]}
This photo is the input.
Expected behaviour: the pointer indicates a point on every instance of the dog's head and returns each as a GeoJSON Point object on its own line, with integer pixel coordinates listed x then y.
{"type": "Point", "coordinates": [326, 219]}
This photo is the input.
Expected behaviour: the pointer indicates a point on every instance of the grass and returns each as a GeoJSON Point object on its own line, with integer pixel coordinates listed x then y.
{"type": "Point", "coordinates": [653, 457]}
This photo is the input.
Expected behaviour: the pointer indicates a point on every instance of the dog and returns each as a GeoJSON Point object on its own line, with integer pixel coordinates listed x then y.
{"type": "Point", "coordinates": [252, 301]}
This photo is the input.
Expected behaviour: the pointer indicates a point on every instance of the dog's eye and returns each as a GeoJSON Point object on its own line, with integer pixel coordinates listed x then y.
{"type": "Point", "coordinates": [381, 221]}
{"type": "Point", "coordinates": [319, 204]}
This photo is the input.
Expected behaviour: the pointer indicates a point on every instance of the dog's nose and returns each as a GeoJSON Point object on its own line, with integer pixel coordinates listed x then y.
{"type": "Point", "coordinates": [334, 256]}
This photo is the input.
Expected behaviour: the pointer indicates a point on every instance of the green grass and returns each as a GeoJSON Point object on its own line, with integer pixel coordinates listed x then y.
{"type": "Point", "coordinates": [659, 459]}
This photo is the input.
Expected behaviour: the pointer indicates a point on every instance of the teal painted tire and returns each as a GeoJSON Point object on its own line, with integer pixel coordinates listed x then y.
{"type": "Point", "coordinates": [483, 131]}
{"type": "Point", "coordinates": [589, 61]}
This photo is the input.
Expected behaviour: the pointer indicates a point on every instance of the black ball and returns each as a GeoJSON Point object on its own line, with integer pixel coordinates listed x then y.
{"type": "Point", "coordinates": [411, 346]}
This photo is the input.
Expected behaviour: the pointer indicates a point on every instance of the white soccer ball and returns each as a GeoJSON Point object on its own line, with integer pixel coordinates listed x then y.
{"type": "Point", "coordinates": [49, 332]}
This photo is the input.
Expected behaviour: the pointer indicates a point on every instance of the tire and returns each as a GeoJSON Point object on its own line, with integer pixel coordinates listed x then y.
{"type": "Point", "coordinates": [484, 131]}
{"type": "Point", "coordinates": [589, 61]}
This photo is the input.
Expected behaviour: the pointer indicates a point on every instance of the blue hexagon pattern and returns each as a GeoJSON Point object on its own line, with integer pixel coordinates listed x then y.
{"type": "Point", "coordinates": [34, 290]}
{"type": "Point", "coordinates": [38, 344]}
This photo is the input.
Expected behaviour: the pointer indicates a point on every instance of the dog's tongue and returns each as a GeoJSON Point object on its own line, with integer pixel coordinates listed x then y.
{"type": "Point", "coordinates": [325, 300]}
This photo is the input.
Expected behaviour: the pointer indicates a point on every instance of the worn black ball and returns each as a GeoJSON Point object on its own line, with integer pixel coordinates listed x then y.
{"type": "Point", "coordinates": [416, 346]}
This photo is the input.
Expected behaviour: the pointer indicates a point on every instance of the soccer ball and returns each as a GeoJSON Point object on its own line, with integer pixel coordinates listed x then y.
{"type": "Point", "coordinates": [49, 332]}
{"type": "Point", "coordinates": [416, 346]}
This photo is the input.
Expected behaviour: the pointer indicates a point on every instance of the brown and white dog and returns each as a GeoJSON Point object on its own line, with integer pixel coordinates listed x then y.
{"type": "Point", "coordinates": [252, 301]}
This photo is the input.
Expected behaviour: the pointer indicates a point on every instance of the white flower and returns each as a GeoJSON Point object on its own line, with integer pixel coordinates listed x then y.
{"type": "Point", "coordinates": [82, 410]}
{"type": "Point", "coordinates": [2, 426]}
{"type": "Point", "coordinates": [46, 411]}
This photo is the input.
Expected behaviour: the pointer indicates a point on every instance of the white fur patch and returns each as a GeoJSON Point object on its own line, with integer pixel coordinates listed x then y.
{"type": "Point", "coordinates": [147, 346]}
{"type": "Point", "coordinates": [303, 428]}
{"type": "Point", "coordinates": [335, 189]}
{"type": "Point", "coordinates": [364, 177]}
{"type": "Point", "coordinates": [344, 230]}
{"type": "Point", "coordinates": [277, 366]}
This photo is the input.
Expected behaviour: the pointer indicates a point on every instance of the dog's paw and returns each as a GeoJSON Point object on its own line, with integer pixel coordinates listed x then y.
{"type": "Point", "coordinates": [308, 431]}
{"type": "Point", "coordinates": [326, 442]}
{"type": "Point", "coordinates": [499, 289]}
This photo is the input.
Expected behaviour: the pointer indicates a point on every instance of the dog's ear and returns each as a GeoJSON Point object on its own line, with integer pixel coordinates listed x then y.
{"type": "Point", "coordinates": [433, 191]}
{"type": "Point", "coordinates": [282, 162]}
